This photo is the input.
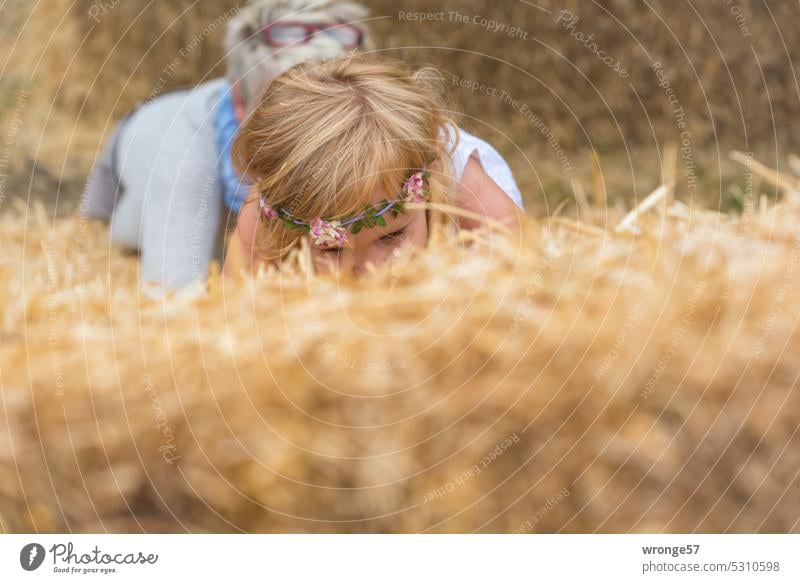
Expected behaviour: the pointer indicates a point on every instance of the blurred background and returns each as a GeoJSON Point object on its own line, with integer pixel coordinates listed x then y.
{"type": "Point", "coordinates": [580, 96]}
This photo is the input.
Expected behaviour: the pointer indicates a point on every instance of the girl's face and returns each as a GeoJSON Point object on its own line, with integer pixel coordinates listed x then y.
{"type": "Point", "coordinates": [374, 245]}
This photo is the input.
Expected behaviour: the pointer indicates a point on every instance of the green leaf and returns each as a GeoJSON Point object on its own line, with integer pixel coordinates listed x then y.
{"type": "Point", "coordinates": [381, 221]}
{"type": "Point", "coordinates": [356, 228]}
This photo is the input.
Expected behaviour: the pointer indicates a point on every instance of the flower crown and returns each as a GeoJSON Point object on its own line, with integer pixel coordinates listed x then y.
{"type": "Point", "coordinates": [333, 233]}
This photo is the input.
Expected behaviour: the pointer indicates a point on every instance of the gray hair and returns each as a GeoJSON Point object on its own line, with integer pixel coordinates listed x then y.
{"type": "Point", "coordinates": [253, 64]}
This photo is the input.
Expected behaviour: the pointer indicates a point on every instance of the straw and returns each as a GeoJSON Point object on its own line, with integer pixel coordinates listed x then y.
{"type": "Point", "coordinates": [567, 379]}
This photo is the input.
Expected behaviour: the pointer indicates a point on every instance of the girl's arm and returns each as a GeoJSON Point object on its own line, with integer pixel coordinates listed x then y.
{"type": "Point", "coordinates": [240, 254]}
{"type": "Point", "coordinates": [478, 193]}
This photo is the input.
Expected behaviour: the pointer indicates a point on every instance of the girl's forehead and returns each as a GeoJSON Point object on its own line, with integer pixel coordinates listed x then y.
{"type": "Point", "coordinates": [381, 194]}
{"type": "Point", "coordinates": [390, 184]}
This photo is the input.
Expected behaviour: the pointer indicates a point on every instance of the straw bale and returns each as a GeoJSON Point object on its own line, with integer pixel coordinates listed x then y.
{"type": "Point", "coordinates": [574, 380]}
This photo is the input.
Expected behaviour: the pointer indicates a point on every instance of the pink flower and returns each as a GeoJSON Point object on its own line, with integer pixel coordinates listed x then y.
{"type": "Point", "coordinates": [327, 234]}
{"type": "Point", "coordinates": [269, 212]}
{"type": "Point", "coordinates": [414, 188]}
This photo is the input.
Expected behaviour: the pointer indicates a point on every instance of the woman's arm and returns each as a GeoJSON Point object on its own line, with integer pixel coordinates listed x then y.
{"type": "Point", "coordinates": [478, 193]}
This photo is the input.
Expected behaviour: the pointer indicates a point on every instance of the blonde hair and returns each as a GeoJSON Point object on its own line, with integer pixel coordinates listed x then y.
{"type": "Point", "coordinates": [327, 135]}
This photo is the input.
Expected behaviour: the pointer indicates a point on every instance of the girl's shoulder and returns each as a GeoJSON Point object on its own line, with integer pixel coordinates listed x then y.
{"type": "Point", "coordinates": [464, 145]}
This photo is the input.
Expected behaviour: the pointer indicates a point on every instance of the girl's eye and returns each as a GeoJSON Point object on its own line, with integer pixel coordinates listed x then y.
{"type": "Point", "coordinates": [390, 237]}
{"type": "Point", "coordinates": [327, 250]}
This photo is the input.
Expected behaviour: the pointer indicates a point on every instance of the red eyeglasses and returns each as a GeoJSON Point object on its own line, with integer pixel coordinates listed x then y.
{"type": "Point", "coordinates": [283, 34]}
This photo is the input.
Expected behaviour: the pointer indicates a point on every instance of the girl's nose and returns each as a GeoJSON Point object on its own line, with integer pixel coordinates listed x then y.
{"type": "Point", "coordinates": [365, 257]}
{"type": "Point", "coordinates": [346, 261]}
{"type": "Point", "coordinates": [359, 265]}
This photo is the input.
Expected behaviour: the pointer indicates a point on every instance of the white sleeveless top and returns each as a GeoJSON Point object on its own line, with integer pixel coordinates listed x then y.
{"type": "Point", "coordinates": [492, 162]}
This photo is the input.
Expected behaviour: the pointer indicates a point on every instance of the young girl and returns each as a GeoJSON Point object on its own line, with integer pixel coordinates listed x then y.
{"type": "Point", "coordinates": [339, 150]}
